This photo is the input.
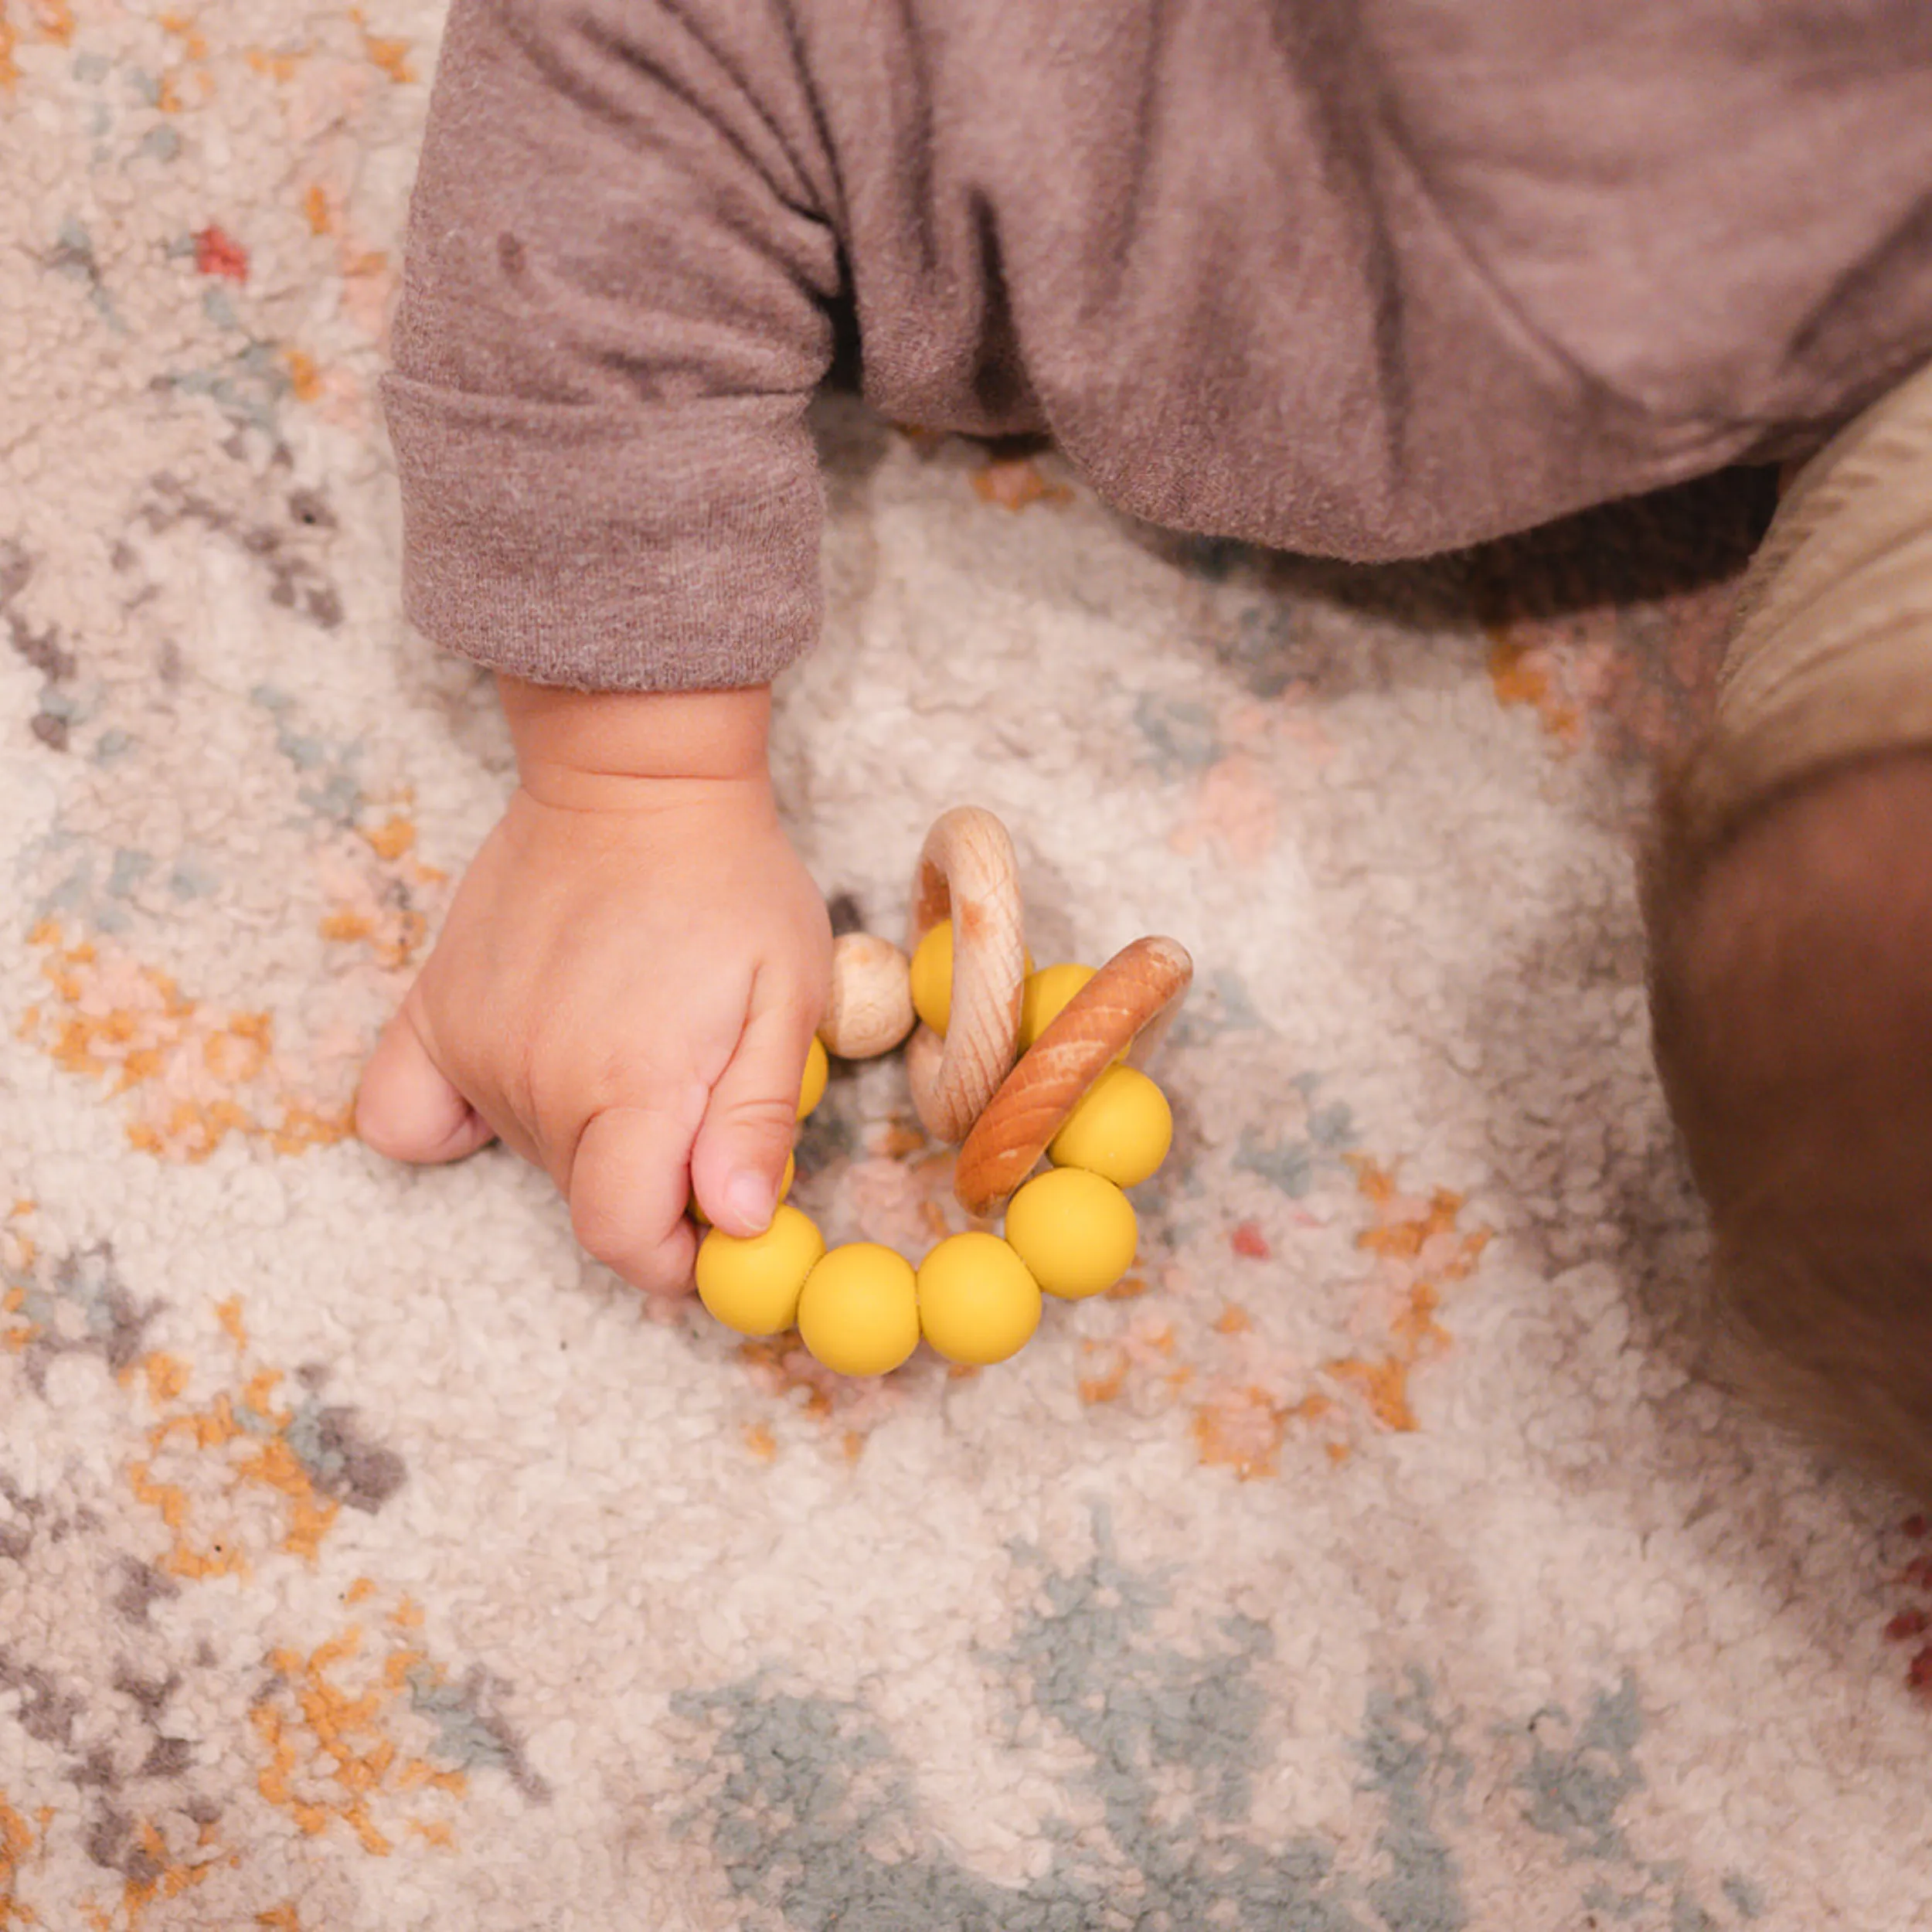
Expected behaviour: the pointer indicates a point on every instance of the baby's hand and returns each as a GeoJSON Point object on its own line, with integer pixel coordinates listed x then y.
{"type": "Point", "coordinates": [626, 987]}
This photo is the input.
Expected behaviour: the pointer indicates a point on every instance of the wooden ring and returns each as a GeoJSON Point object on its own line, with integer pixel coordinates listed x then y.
{"type": "Point", "coordinates": [967, 873]}
{"type": "Point", "coordinates": [1127, 1006]}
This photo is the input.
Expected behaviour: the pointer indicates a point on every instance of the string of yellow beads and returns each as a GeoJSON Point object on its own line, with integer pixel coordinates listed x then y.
{"type": "Point", "coordinates": [1043, 994]}
{"type": "Point", "coordinates": [1076, 1232]}
{"type": "Point", "coordinates": [817, 1071]}
{"type": "Point", "coordinates": [1070, 1232]}
{"type": "Point", "coordinates": [1121, 1130]}
{"type": "Point", "coordinates": [931, 974]}
{"type": "Point", "coordinates": [752, 1285]}
{"type": "Point", "coordinates": [979, 1302]}
{"type": "Point", "coordinates": [858, 1311]}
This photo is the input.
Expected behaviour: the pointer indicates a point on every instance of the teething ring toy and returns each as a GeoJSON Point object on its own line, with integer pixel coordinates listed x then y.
{"type": "Point", "coordinates": [967, 873]}
{"type": "Point", "coordinates": [1075, 1095]}
{"type": "Point", "coordinates": [1124, 1009]}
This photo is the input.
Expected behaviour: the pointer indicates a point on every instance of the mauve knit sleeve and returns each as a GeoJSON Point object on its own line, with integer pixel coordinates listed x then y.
{"type": "Point", "coordinates": [614, 310]}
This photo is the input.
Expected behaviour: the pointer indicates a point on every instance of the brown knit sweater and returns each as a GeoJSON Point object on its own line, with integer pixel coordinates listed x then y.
{"type": "Point", "coordinates": [1367, 277]}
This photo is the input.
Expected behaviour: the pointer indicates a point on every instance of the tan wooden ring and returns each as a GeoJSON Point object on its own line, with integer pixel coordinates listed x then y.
{"type": "Point", "coordinates": [1127, 1006]}
{"type": "Point", "coordinates": [967, 872]}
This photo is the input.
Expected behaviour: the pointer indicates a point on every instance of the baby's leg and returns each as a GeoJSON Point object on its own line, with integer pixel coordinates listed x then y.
{"type": "Point", "coordinates": [1789, 896]}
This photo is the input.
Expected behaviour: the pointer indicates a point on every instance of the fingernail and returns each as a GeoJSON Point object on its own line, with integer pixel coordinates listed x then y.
{"type": "Point", "coordinates": [749, 1197]}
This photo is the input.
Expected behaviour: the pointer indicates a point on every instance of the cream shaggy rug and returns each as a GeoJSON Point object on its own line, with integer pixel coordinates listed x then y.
{"type": "Point", "coordinates": [1372, 1562]}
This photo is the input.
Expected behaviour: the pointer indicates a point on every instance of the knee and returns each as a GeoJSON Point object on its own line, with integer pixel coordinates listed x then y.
{"type": "Point", "coordinates": [1791, 1003]}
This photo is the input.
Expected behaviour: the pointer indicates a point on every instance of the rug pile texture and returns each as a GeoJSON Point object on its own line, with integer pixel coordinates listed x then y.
{"type": "Point", "coordinates": [1373, 1560]}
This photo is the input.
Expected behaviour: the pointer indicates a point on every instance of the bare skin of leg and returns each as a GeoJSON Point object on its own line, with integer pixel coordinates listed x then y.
{"type": "Point", "coordinates": [1792, 982]}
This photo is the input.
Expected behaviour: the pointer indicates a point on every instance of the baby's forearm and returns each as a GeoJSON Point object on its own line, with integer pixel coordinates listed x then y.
{"type": "Point", "coordinates": [589, 749]}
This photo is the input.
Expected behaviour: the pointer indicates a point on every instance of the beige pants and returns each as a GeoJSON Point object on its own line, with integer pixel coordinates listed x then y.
{"type": "Point", "coordinates": [1831, 659]}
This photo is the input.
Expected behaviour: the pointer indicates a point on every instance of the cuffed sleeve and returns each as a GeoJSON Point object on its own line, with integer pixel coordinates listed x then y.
{"type": "Point", "coordinates": [615, 310]}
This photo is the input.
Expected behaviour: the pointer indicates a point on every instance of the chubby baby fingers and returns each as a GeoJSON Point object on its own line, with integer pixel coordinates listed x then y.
{"type": "Point", "coordinates": [407, 1107]}
{"type": "Point", "coordinates": [627, 1194]}
{"type": "Point", "coordinates": [738, 1160]}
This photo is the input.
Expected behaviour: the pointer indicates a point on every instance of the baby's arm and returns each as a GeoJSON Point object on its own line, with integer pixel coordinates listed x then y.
{"type": "Point", "coordinates": [614, 312]}
{"type": "Point", "coordinates": [627, 985]}
{"type": "Point", "coordinates": [615, 308]}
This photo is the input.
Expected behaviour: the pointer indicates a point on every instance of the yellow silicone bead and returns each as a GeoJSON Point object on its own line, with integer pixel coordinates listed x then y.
{"type": "Point", "coordinates": [752, 1285]}
{"type": "Point", "coordinates": [1043, 995]}
{"type": "Point", "coordinates": [784, 1188]}
{"type": "Point", "coordinates": [1076, 1232]}
{"type": "Point", "coordinates": [817, 1069]}
{"type": "Point", "coordinates": [1121, 1130]}
{"type": "Point", "coordinates": [977, 1303]}
{"type": "Point", "coordinates": [859, 1312]}
{"type": "Point", "coordinates": [932, 976]}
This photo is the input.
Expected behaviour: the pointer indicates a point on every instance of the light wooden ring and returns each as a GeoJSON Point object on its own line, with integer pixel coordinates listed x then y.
{"type": "Point", "coordinates": [1126, 1006]}
{"type": "Point", "coordinates": [967, 873]}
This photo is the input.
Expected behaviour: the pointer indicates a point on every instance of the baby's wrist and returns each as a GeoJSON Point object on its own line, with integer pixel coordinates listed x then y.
{"type": "Point", "coordinates": [594, 748]}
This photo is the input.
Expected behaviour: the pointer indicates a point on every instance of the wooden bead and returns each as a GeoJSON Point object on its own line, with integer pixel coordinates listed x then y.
{"type": "Point", "coordinates": [871, 1008]}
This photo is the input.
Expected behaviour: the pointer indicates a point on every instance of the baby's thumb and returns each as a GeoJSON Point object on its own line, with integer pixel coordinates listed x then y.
{"type": "Point", "coordinates": [738, 1160]}
{"type": "Point", "coordinates": [405, 1108]}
